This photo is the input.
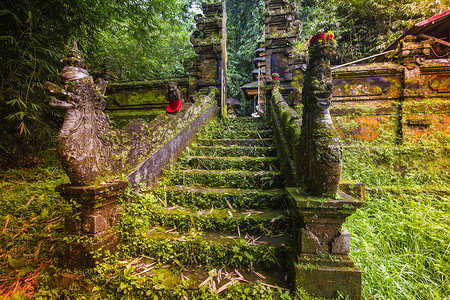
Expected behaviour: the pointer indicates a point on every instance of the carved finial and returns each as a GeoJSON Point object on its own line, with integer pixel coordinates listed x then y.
{"type": "Point", "coordinates": [74, 52]}
{"type": "Point", "coordinates": [74, 67]}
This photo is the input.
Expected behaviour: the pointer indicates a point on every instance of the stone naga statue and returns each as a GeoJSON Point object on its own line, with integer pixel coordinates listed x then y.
{"type": "Point", "coordinates": [320, 146]}
{"type": "Point", "coordinates": [81, 147]}
{"type": "Point", "coordinates": [88, 146]}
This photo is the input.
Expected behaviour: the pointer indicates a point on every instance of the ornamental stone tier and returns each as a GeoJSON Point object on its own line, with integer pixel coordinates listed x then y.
{"type": "Point", "coordinates": [209, 44]}
{"type": "Point", "coordinates": [322, 264]}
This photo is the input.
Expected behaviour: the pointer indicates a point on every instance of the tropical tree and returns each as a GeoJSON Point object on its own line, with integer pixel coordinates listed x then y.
{"type": "Point", "coordinates": [245, 27]}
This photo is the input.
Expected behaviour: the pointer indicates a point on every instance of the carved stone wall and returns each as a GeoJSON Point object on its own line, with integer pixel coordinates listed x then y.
{"type": "Point", "coordinates": [394, 103]}
{"type": "Point", "coordinates": [281, 33]}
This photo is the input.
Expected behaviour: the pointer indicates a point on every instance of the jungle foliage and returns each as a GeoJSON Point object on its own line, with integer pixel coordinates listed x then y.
{"type": "Point", "coordinates": [245, 27]}
{"type": "Point", "coordinates": [364, 27]}
{"type": "Point", "coordinates": [130, 40]}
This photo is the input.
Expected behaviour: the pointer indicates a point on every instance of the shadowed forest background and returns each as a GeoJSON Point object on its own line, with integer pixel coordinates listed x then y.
{"type": "Point", "coordinates": [139, 40]}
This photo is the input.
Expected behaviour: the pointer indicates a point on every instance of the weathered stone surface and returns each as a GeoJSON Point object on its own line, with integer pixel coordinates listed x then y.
{"type": "Point", "coordinates": [441, 84]}
{"type": "Point", "coordinates": [94, 224]}
{"type": "Point", "coordinates": [323, 217]}
{"type": "Point", "coordinates": [360, 87]}
{"type": "Point", "coordinates": [319, 143]}
{"type": "Point", "coordinates": [309, 242]}
{"type": "Point", "coordinates": [150, 169]}
{"type": "Point", "coordinates": [209, 43]}
{"type": "Point", "coordinates": [365, 111]}
{"type": "Point", "coordinates": [95, 218]}
{"type": "Point", "coordinates": [327, 278]}
{"type": "Point", "coordinates": [341, 243]}
{"type": "Point", "coordinates": [79, 254]}
{"type": "Point", "coordinates": [320, 262]}
{"type": "Point", "coordinates": [98, 210]}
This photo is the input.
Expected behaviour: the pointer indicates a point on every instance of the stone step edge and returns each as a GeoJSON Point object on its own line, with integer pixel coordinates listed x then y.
{"type": "Point", "coordinates": [264, 253]}
{"type": "Point", "coordinates": [229, 147]}
{"type": "Point", "coordinates": [223, 190]}
{"type": "Point", "coordinates": [230, 128]}
{"type": "Point", "coordinates": [206, 197]}
{"type": "Point", "coordinates": [254, 222]}
{"type": "Point", "coordinates": [228, 178]}
{"type": "Point", "coordinates": [224, 238]}
{"type": "Point", "coordinates": [231, 158]}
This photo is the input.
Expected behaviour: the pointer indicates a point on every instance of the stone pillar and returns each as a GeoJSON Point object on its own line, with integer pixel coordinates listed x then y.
{"type": "Point", "coordinates": [209, 43]}
{"type": "Point", "coordinates": [320, 261]}
{"type": "Point", "coordinates": [90, 227]}
{"type": "Point", "coordinates": [412, 55]}
{"type": "Point", "coordinates": [281, 33]}
{"type": "Point", "coordinates": [321, 264]}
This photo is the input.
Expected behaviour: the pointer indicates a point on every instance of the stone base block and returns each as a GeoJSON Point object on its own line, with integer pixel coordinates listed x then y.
{"type": "Point", "coordinates": [91, 233]}
{"type": "Point", "coordinates": [327, 278]}
{"type": "Point", "coordinates": [83, 252]}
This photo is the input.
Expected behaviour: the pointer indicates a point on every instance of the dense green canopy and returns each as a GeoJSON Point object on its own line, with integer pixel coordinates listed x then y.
{"type": "Point", "coordinates": [365, 27]}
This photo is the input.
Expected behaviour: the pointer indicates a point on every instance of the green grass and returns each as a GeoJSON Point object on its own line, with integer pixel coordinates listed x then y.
{"type": "Point", "coordinates": [400, 239]}
{"type": "Point", "coordinates": [31, 222]}
{"type": "Point", "coordinates": [402, 245]}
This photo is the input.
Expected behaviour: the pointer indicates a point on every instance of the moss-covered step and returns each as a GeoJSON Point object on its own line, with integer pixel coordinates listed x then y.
{"type": "Point", "coordinates": [230, 163]}
{"type": "Point", "coordinates": [243, 120]}
{"type": "Point", "coordinates": [214, 151]}
{"type": "Point", "coordinates": [261, 222]}
{"type": "Point", "coordinates": [201, 197]}
{"type": "Point", "coordinates": [234, 179]}
{"type": "Point", "coordinates": [236, 142]}
{"type": "Point", "coordinates": [176, 281]}
{"type": "Point", "coordinates": [230, 133]}
{"type": "Point", "coordinates": [247, 126]}
{"type": "Point", "coordinates": [214, 249]}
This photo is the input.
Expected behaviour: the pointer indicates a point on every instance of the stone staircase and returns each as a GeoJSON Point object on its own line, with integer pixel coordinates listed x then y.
{"type": "Point", "coordinates": [219, 216]}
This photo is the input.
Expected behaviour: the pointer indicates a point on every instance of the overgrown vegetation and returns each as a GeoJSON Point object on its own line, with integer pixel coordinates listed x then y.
{"type": "Point", "coordinates": [364, 27]}
{"type": "Point", "coordinates": [131, 40]}
{"type": "Point", "coordinates": [399, 238]}
{"type": "Point", "coordinates": [31, 221]}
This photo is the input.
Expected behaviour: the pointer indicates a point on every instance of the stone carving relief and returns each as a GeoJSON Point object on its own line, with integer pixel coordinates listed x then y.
{"type": "Point", "coordinates": [89, 147]}
{"type": "Point", "coordinates": [360, 87]}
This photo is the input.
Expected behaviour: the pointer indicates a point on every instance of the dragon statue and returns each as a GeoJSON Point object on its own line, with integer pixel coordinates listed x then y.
{"type": "Point", "coordinates": [321, 149]}
{"type": "Point", "coordinates": [89, 147]}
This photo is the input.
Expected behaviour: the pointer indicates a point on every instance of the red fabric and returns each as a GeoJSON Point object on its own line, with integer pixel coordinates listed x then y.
{"type": "Point", "coordinates": [275, 78]}
{"type": "Point", "coordinates": [174, 106]}
{"type": "Point", "coordinates": [323, 36]}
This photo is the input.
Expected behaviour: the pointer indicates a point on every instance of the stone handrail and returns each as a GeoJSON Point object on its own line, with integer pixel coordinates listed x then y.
{"type": "Point", "coordinates": [286, 122]}
{"type": "Point", "coordinates": [175, 133]}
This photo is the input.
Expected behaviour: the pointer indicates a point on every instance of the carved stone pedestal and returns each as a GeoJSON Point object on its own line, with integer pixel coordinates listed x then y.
{"type": "Point", "coordinates": [320, 262]}
{"type": "Point", "coordinates": [90, 228]}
